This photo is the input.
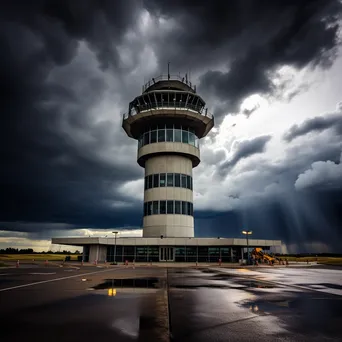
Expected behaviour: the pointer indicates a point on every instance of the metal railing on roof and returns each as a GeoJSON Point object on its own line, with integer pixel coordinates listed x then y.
{"type": "Point", "coordinates": [168, 78]}
{"type": "Point", "coordinates": [168, 105]}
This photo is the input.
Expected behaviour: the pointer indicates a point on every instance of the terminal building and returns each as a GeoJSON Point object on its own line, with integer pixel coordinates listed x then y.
{"type": "Point", "coordinates": [168, 119]}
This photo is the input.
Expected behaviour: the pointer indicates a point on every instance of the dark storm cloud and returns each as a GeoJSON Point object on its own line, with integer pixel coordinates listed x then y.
{"type": "Point", "coordinates": [248, 39]}
{"type": "Point", "coordinates": [56, 161]}
{"type": "Point", "coordinates": [282, 200]}
{"type": "Point", "coordinates": [297, 219]}
{"type": "Point", "coordinates": [244, 149]}
{"type": "Point", "coordinates": [249, 112]}
{"type": "Point", "coordinates": [60, 24]}
{"type": "Point", "coordinates": [316, 124]}
{"type": "Point", "coordinates": [61, 161]}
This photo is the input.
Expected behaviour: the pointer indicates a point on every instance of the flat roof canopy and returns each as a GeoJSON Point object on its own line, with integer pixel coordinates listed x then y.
{"type": "Point", "coordinates": [139, 241]}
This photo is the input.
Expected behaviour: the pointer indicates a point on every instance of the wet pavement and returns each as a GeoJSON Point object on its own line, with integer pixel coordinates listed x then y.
{"type": "Point", "coordinates": [245, 305]}
{"type": "Point", "coordinates": [160, 304]}
{"type": "Point", "coordinates": [83, 305]}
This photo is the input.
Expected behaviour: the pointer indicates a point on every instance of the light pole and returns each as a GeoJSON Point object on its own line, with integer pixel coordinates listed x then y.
{"type": "Point", "coordinates": [115, 246]}
{"type": "Point", "coordinates": [107, 254]}
{"type": "Point", "coordinates": [247, 233]}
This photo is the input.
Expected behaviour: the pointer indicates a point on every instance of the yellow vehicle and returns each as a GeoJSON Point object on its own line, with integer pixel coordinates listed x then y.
{"type": "Point", "coordinates": [259, 254]}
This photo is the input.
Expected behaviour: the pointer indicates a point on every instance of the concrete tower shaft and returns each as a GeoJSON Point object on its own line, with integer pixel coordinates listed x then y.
{"type": "Point", "coordinates": [168, 120]}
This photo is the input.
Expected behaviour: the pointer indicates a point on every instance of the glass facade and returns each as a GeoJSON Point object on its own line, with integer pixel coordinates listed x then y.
{"type": "Point", "coordinates": [205, 254]}
{"type": "Point", "coordinates": [181, 253]}
{"type": "Point", "coordinates": [130, 253]}
{"type": "Point", "coordinates": [168, 207]}
{"type": "Point", "coordinates": [168, 133]}
{"type": "Point", "coordinates": [160, 180]}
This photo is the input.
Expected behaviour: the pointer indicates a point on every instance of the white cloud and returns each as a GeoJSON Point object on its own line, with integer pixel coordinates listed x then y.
{"type": "Point", "coordinates": [321, 173]}
{"type": "Point", "coordinates": [133, 189]}
{"type": "Point", "coordinates": [41, 240]}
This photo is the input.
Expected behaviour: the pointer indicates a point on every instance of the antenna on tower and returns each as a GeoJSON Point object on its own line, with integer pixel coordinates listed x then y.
{"type": "Point", "coordinates": [168, 70]}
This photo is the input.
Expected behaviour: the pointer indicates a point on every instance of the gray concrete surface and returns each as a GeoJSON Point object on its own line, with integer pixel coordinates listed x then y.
{"type": "Point", "coordinates": [57, 304]}
{"type": "Point", "coordinates": [247, 305]}
{"type": "Point", "coordinates": [180, 304]}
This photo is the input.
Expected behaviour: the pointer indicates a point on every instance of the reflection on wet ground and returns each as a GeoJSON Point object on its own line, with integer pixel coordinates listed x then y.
{"type": "Point", "coordinates": [237, 284]}
{"type": "Point", "coordinates": [323, 285]}
{"type": "Point", "coordinates": [129, 282]}
{"type": "Point", "coordinates": [66, 311]}
{"type": "Point", "coordinates": [193, 304]}
{"type": "Point", "coordinates": [241, 307]}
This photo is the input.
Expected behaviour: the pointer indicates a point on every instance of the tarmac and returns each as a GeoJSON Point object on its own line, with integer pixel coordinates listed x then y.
{"type": "Point", "coordinates": [153, 303]}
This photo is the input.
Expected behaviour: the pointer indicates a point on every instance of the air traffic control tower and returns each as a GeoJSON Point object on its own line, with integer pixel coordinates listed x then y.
{"type": "Point", "coordinates": [167, 120]}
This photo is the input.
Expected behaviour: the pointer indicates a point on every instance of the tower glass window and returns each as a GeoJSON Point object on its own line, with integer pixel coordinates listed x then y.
{"type": "Point", "coordinates": [185, 208]}
{"type": "Point", "coordinates": [185, 137]}
{"type": "Point", "coordinates": [171, 98]}
{"type": "Point", "coordinates": [153, 136]}
{"type": "Point", "coordinates": [155, 207]}
{"type": "Point", "coordinates": [178, 209]}
{"type": "Point", "coordinates": [156, 180]}
{"type": "Point", "coordinates": [162, 180]}
{"type": "Point", "coordinates": [150, 181]}
{"type": "Point", "coordinates": [188, 182]}
{"type": "Point", "coordinates": [178, 135]}
{"type": "Point", "coordinates": [177, 180]}
{"type": "Point", "coordinates": [146, 138]}
{"type": "Point", "coordinates": [192, 139]}
{"type": "Point", "coordinates": [162, 207]}
{"type": "Point", "coordinates": [169, 133]}
{"type": "Point", "coordinates": [168, 207]}
{"type": "Point", "coordinates": [161, 135]}
{"type": "Point", "coordinates": [149, 208]}
{"type": "Point", "coordinates": [183, 181]}
{"type": "Point", "coordinates": [168, 180]}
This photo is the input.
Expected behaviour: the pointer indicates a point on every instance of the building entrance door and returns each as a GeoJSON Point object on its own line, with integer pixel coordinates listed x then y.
{"type": "Point", "coordinates": [166, 254]}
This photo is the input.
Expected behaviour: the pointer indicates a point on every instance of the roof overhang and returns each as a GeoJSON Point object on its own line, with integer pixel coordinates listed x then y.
{"type": "Point", "coordinates": [139, 241]}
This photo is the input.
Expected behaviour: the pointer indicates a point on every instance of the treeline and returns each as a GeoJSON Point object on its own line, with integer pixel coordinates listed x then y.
{"type": "Point", "coordinates": [300, 255]}
{"type": "Point", "coordinates": [31, 251]}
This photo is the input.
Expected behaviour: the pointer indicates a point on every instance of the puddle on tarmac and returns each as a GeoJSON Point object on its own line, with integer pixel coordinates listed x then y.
{"type": "Point", "coordinates": [323, 285]}
{"type": "Point", "coordinates": [305, 306]}
{"type": "Point", "coordinates": [221, 276]}
{"type": "Point", "coordinates": [197, 286]}
{"type": "Point", "coordinates": [326, 306]}
{"type": "Point", "coordinates": [256, 284]}
{"type": "Point", "coordinates": [266, 307]}
{"type": "Point", "coordinates": [208, 270]}
{"type": "Point", "coordinates": [238, 284]}
{"type": "Point", "coordinates": [151, 283]}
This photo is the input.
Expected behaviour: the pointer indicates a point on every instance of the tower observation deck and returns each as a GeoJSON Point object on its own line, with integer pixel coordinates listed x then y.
{"type": "Point", "coordinates": [168, 119]}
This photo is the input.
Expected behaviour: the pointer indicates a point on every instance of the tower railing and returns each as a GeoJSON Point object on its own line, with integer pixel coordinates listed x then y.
{"type": "Point", "coordinates": [168, 105]}
{"type": "Point", "coordinates": [168, 78]}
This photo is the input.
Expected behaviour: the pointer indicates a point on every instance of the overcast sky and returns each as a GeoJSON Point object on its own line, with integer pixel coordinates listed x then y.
{"type": "Point", "coordinates": [270, 72]}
